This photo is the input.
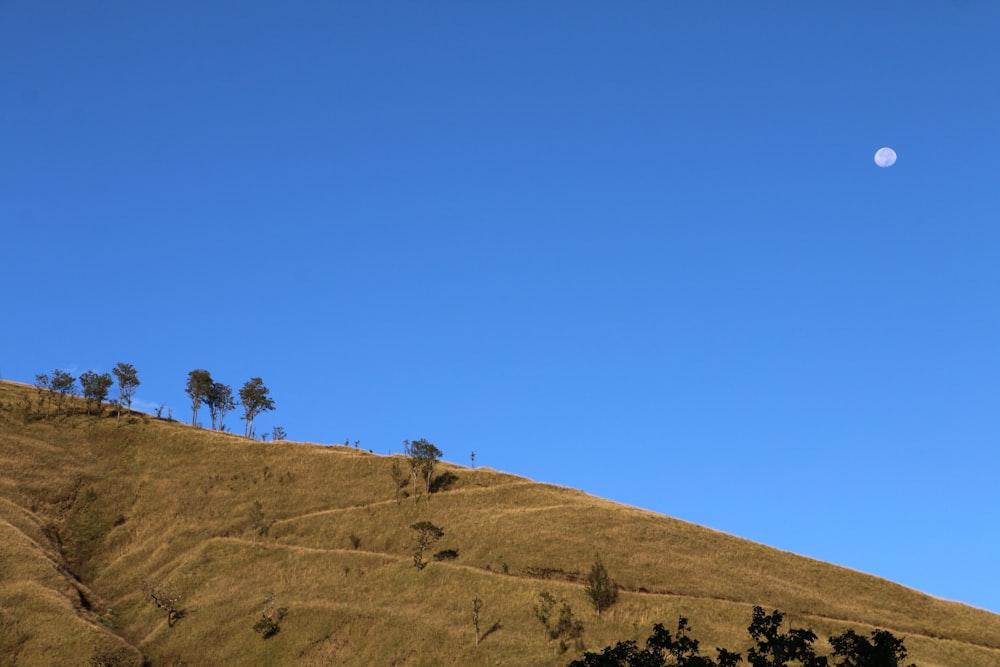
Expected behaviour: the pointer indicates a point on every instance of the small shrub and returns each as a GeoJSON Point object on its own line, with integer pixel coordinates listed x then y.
{"type": "Point", "coordinates": [600, 589]}
{"type": "Point", "coordinates": [258, 522]}
{"type": "Point", "coordinates": [162, 598]}
{"type": "Point", "coordinates": [446, 554]}
{"type": "Point", "coordinates": [543, 611]}
{"type": "Point", "coordinates": [269, 623]}
{"type": "Point", "coordinates": [568, 627]}
{"type": "Point", "coordinates": [355, 540]}
{"type": "Point", "coordinates": [116, 657]}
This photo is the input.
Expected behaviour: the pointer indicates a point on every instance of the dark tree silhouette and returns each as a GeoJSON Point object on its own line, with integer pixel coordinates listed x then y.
{"type": "Point", "coordinates": [775, 648]}
{"type": "Point", "coordinates": [883, 650]}
{"type": "Point", "coordinates": [662, 650]}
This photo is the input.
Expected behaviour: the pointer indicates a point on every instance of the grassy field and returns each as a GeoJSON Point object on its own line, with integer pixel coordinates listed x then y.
{"type": "Point", "coordinates": [92, 515]}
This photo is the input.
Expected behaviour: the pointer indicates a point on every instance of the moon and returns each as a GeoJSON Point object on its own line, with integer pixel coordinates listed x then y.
{"type": "Point", "coordinates": [885, 157]}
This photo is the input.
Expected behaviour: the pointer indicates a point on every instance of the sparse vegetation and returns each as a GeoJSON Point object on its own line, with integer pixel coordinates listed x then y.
{"type": "Point", "coordinates": [87, 509]}
{"type": "Point", "coordinates": [259, 523]}
{"type": "Point", "coordinates": [568, 628]}
{"type": "Point", "coordinates": [398, 477]}
{"type": "Point", "coordinates": [43, 390]}
{"type": "Point", "coordinates": [543, 612]}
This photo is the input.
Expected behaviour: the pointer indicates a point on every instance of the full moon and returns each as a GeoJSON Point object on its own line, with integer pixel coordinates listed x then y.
{"type": "Point", "coordinates": [885, 157]}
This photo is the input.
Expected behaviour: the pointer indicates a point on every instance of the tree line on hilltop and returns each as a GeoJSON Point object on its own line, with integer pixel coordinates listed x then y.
{"type": "Point", "coordinates": [53, 390]}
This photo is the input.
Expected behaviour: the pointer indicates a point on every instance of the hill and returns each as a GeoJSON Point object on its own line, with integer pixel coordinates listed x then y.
{"type": "Point", "coordinates": [94, 518]}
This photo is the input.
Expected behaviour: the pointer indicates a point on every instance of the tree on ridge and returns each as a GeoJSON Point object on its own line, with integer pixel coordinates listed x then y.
{"type": "Point", "coordinates": [199, 385]}
{"type": "Point", "coordinates": [95, 388]}
{"type": "Point", "coordinates": [220, 403]}
{"type": "Point", "coordinates": [255, 400]}
{"type": "Point", "coordinates": [128, 380]}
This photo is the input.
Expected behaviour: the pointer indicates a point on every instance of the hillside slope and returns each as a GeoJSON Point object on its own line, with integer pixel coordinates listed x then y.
{"type": "Point", "coordinates": [92, 516]}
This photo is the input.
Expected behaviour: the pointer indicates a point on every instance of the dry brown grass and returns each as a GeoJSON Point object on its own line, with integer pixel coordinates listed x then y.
{"type": "Point", "coordinates": [165, 501]}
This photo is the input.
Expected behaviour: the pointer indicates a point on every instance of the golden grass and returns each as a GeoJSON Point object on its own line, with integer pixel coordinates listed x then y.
{"type": "Point", "coordinates": [165, 501]}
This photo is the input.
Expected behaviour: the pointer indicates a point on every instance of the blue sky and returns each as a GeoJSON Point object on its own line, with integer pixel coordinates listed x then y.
{"type": "Point", "coordinates": [640, 249]}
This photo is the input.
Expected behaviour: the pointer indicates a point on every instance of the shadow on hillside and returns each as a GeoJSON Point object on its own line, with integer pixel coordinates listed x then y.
{"type": "Point", "coordinates": [493, 628]}
{"type": "Point", "coordinates": [443, 482]}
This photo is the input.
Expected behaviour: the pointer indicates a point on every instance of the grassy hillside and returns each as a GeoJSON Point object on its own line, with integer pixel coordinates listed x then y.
{"type": "Point", "coordinates": [89, 512]}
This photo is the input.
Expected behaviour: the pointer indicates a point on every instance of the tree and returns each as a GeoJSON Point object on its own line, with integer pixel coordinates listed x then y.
{"type": "Point", "coordinates": [883, 650]}
{"type": "Point", "coordinates": [599, 588]}
{"type": "Point", "coordinates": [278, 433]}
{"type": "Point", "coordinates": [220, 401]}
{"type": "Point", "coordinates": [568, 627]}
{"type": "Point", "coordinates": [199, 386]}
{"type": "Point", "coordinates": [43, 386]}
{"type": "Point", "coordinates": [128, 380]}
{"type": "Point", "coordinates": [775, 648]}
{"type": "Point", "coordinates": [162, 598]}
{"type": "Point", "coordinates": [95, 388]}
{"type": "Point", "coordinates": [543, 612]}
{"type": "Point", "coordinates": [477, 606]}
{"type": "Point", "coordinates": [63, 384]}
{"type": "Point", "coordinates": [422, 457]}
{"type": "Point", "coordinates": [427, 534]}
{"type": "Point", "coordinates": [255, 400]}
{"type": "Point", "coordinates": [398, 477]}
